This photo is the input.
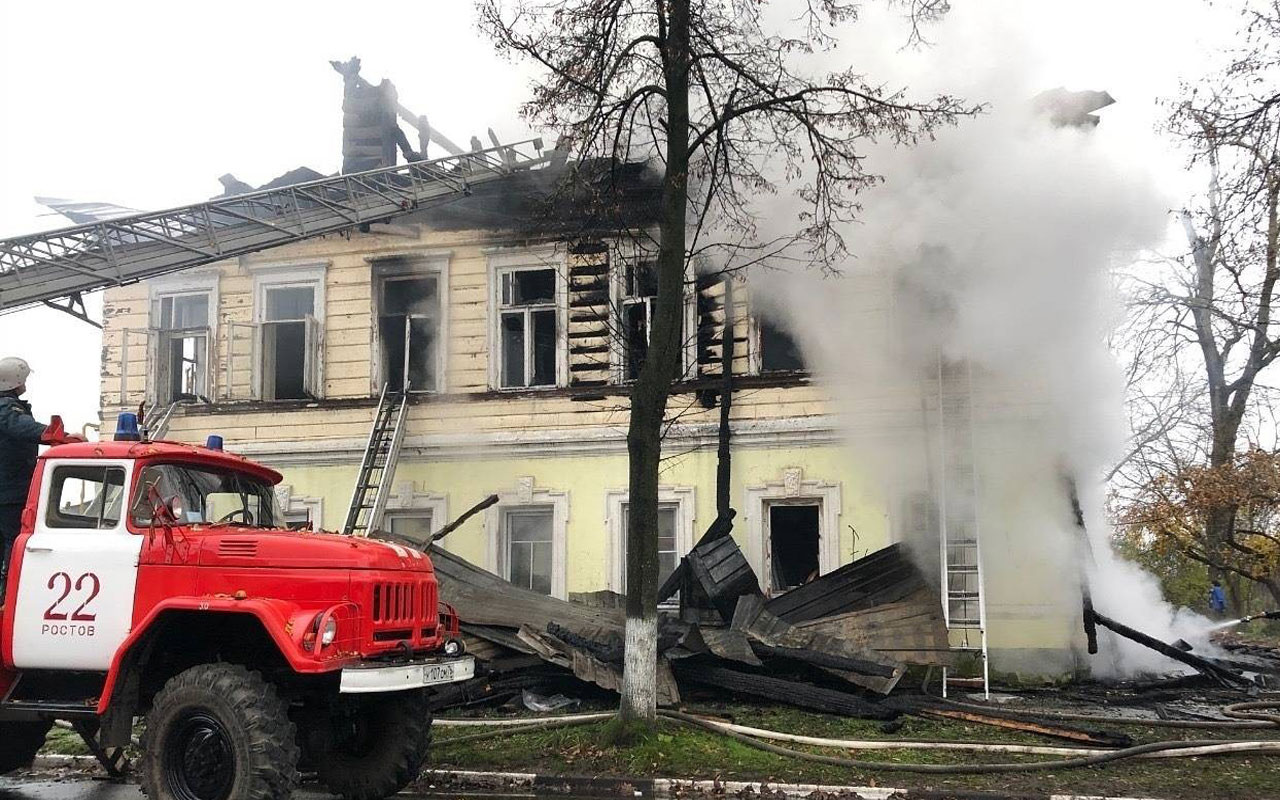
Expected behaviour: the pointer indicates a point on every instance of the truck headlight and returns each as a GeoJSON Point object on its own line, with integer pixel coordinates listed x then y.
{"type": "Point", "coordinates": [329, 633]}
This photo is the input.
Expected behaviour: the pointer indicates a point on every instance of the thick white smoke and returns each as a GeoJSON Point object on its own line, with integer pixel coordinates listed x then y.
{"type": "Point", "coordinates": [993, 247]}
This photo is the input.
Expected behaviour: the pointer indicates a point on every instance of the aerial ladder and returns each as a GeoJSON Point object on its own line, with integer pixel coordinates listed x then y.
{"type": "Point", "coordinates": [62, 264]}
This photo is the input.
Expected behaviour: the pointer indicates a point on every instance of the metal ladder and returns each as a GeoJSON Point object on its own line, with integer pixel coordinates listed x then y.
{"type": "Point", "coordinates": [378, 467]}
{"type": "Point", "coordinates": [45, 266]}
{"type": "Point", "coordinates": [964, 607]}
{"type": "Point", "coordinates": [162, 416]}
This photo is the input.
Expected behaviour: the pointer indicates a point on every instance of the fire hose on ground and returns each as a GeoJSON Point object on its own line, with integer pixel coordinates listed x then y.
{"type": "Point", "coordinates": [755, 737]}
{"type": "Point", "coordinates": [1243, 715]}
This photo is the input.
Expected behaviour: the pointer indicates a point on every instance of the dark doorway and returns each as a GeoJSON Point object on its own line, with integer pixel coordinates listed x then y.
{"type": "Point", "coordinates": [793, 544]}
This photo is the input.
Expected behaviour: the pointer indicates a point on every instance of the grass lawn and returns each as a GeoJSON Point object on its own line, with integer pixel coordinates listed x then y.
{"type": "Point", "coordinates": [677, 751]}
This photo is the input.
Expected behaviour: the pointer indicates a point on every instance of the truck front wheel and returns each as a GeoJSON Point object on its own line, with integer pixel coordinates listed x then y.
{"type": "Point", "coordinates": [19, 743]}
{"type": "Point", "coordinates": [368, 747]}
{"type": "Point", "coordinates": [218, 732]}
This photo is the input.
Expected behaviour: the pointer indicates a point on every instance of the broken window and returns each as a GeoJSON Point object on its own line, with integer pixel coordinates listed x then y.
{"type": "Point", "coordinates": [640, 289]}
{"type": "Point", "coordinates": [779, 351]}
{"type": "Point", "coordinates": [182, 358]}
{"type": "Point", "coordinates": [793, 545]}
{"type": "Point", "coordinates": [527, 547]}
{"type": "Point", "coordinates": [409, 330]}
{"type": "Point", "coordinates": [290, 344]}
{"type": "Point", "coordinates": [527, 328]}
{"type": "Point", "coordinates": [668, 553]}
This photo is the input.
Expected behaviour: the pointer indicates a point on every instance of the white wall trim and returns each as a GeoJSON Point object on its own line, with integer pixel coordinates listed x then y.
{"type": "Point", "coordinates": [525, 495]}
{"type": "Point", "coordinates": [682, 497]}
{"type": "Point", "coordinates": [406, 496]}
{"type": "Point", "coordinates": [791, 487]}
{"type": "Point", "coordinates": [505, 260]}
{"type": "Point", "coordinates": [543, 443]}
{"type": "Point", "coordinates": [267, 266]}
{"type": "Point", "coordinates": [292, 503]}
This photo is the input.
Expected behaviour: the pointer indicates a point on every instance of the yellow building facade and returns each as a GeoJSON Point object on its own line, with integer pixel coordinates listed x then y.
{"type": "Point", "coordinates": [519, 351]}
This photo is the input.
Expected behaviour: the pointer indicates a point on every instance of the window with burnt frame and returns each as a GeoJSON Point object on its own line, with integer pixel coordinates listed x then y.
{"type": "Point", "coordinates": [528, 330]}
{"type": "Point", "coordinates": [779, 350]}
{"type": "Point", "coordinates": [409, 331]}
{"type": "Point", "coordinates": [639, 290]}
{"type": "Point", "coordinates": [182, 362]}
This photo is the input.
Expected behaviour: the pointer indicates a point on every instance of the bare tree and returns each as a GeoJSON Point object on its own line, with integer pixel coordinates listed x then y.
{"type": "Point", "coordinates": [717, 96]}
{"type": "Point", "coordinates": [1218, 299]}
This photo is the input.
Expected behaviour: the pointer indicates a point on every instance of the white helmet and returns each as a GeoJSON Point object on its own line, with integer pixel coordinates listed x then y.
{"type": "Point", "coordinates": [13, 373]}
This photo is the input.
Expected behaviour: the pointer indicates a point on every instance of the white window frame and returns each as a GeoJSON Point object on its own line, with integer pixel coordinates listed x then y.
{"type": "Point", "coordinates": [526, 495]}
{"type": "Point", "coordinates": [412, 264]}
{"type": "Point", "coordinates": [408, 500]}
{"type": "Point", "coordinates": [615, 502]}
{"type": "Point", "coordinates": [503, 263]}
{"type": "Point", "coordinates": [291, 503]}
{"type": "Point", "coordinates": [792, 488]}
{"type": "Point", "coordinates": [630, 252]}
{"type": "Point", "coordinates": [183, 284]}
{"type": "Point", "coordinates": [286, 276]}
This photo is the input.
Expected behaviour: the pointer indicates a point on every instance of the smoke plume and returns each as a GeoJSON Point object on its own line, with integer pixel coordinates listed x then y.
{"type": "Point", "coordinates": [987, 255]}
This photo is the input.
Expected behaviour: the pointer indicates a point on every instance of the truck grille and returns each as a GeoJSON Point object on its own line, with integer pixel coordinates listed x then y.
{"type": "Point", "coordinates": [404, 610]}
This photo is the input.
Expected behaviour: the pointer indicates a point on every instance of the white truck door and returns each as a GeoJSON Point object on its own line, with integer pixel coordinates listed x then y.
{"type": "Point", "coordinates": [79, 569]}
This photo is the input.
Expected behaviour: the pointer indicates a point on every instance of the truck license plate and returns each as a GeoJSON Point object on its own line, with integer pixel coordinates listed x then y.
{"type": "Point", "coordinates": [437, 673]}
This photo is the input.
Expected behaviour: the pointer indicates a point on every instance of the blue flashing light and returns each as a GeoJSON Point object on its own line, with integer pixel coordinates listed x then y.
{"type": "Point", "coordinates": [127, 427]}
{"type": "Point", "coordinates": [214, 442]}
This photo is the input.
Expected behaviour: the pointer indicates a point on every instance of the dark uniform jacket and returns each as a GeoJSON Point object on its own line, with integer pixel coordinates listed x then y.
{"type": "Point", "coordinates": [19, 445]}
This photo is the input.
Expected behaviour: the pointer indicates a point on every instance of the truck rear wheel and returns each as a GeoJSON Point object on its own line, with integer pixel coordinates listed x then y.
{"type": "Point", "coordinates": [218, 732]}
{"type": "Point", "coordinates": [19, 743]}
{"type": "Point", "coordinates": [372, 746]}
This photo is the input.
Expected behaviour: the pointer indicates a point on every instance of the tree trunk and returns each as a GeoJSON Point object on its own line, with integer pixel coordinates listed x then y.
{"type": "Point", "coordinates": [653, 385]}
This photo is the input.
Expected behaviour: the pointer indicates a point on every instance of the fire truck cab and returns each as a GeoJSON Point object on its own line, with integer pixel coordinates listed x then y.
{"type": "Point", "coordinates": [157, 580]}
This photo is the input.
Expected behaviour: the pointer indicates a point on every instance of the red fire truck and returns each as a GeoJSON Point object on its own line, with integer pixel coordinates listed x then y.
{"type": "Point", "coordinates": [157, 580]}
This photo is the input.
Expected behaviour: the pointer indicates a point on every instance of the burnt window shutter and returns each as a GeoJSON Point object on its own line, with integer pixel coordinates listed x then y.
{"type": "Point", "coordinates": [589, 314]}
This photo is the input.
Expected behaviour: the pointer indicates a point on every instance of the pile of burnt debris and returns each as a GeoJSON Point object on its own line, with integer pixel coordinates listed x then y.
{"type": "Point", "coordinates": [839, 643]}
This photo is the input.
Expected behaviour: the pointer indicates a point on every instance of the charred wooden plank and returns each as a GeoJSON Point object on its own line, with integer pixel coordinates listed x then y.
{"type": "Point", "coordinates": [1222, 675]}
{"type": "Point", "coordinates": [884, 576]}
{"type": "Point", "coordinates": [776, 689]}
{"type": "Point", "coordinates": [723, 573]}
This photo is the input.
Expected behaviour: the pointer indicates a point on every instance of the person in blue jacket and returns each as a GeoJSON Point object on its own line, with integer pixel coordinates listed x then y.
{"type": "Point", "coordinates": [20, 438]}
{"type": "Point", "coordinates": [1217, 599]}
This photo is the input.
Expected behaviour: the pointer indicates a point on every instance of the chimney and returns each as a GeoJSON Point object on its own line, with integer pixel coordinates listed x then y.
{"type": "Point", "coordinates": [369, 127]}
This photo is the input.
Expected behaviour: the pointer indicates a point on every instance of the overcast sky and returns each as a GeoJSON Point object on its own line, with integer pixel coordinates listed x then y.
{"type": "Point", "coordinates": [145, 104]}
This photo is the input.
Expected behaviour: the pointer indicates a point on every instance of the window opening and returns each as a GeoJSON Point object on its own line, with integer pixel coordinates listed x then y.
{"type": "Point", "coordinates": [409, 328]}
{"type": "Point", "coordinates": [183, 363]}
{"type": "Point", "coordinates": [793, 545]}
{"type": "Point", "coordinates": [779, 351]}
{"type": "Point", "coordinates": [527, 553]}
{"type": "Point", "coordinates": [640, 289]}
{"type": "Point", "coordinates": [85, 497]}
{"type": "Point", "coordinates": [528, 328]}
{"type": "Point", "coordinates": [288, 343]}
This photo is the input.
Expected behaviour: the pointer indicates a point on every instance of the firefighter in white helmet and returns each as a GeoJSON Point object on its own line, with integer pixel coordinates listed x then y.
{"type": "Point", "coordinates": [20, 437]}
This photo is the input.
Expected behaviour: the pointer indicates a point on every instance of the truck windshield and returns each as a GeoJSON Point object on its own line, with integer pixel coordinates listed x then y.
{"type": "Point", "coordinates": [199, 495]}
